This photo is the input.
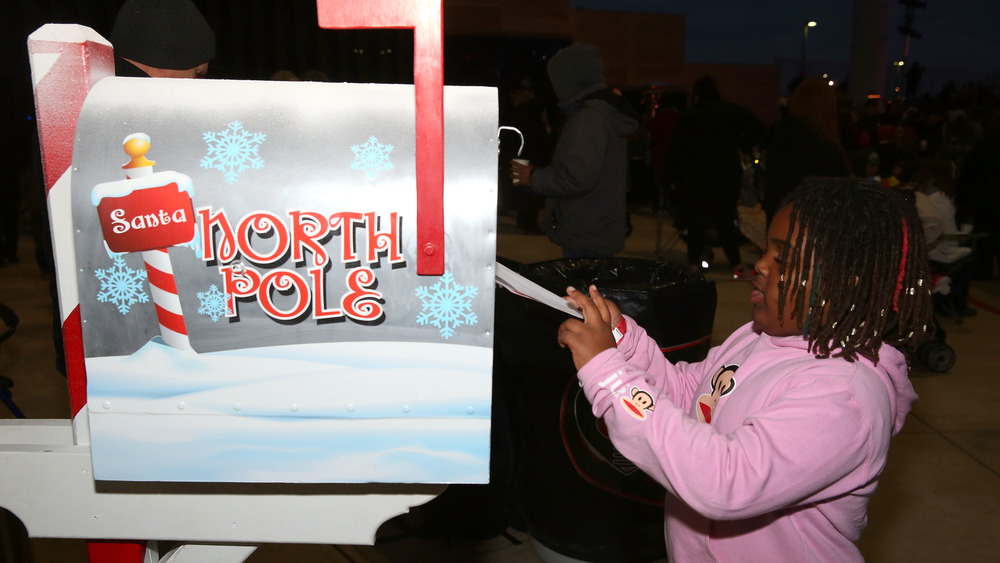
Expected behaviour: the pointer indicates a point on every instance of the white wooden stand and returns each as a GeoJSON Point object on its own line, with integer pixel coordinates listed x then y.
{"type": "Point", "coordinates": [48, 485]}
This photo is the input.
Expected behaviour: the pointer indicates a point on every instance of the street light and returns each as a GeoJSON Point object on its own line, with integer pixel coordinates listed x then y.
{"type": "Point", "coordinates": [805, 37]}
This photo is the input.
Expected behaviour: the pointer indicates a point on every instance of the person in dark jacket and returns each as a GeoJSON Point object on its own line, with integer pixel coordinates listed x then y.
{"type": "Point", "coordinates": [704, 166]}
{"type": "Point", "coordinates": [585, 184]}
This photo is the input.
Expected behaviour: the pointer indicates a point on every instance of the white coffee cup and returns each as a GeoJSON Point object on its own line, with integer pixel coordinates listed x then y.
{"type": "Point", "coordinates": [522, 161]}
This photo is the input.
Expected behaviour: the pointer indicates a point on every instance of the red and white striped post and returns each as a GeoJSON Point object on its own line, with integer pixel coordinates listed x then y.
{"type": "Point", "coordinates": [66, 61]}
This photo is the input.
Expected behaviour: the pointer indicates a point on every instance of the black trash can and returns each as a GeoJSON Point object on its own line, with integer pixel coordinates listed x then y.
{"type": "Point", "coordinates": [581, 499]}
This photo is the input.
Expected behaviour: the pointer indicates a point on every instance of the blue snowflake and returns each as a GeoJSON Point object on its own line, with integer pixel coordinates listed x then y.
{"type": "Point", "coordinates": [214, 303]}
{"type": "Point", "coordinates": [121, 285]}
{"type": "Point", "coordinates": [372, 157]}
{"type": "Point", "coordinates": [232, 151]}
{"type": "Point", "coordinates": [446, 305]}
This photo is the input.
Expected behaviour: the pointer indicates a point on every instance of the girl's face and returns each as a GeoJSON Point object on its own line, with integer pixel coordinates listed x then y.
{"type": "Point", "coordinates": [764, 296]}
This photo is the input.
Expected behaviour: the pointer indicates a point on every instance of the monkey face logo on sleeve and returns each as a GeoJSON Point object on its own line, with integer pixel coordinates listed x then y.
{"type": "Point", "coordinates": [638, 404]}
{"type": "Point", "coordinates": [723, 382]}
{"type": "Point", "coordinates": [635, 401]}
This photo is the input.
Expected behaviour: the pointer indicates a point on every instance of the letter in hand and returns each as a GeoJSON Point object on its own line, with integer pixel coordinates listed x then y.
{"type": "Point", "coordinates": [591, 336]}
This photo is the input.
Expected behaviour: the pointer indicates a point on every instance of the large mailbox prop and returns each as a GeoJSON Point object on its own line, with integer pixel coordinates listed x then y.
{"type": "Point", "coordinates": [285, 284]}
{"type": "Point", "coordinates": [250, 305]}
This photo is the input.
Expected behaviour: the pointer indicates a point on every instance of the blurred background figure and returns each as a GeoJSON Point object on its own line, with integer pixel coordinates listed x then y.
{"type": "Point", "coordinates": [806, 142]}
{"type": "Point", "coordinates": [285, 75]}
{"type": "Point", "coordinates": [525, 112]}
{"type": "Point", "coordinates": [15, 165]}
{"type": "Point", "coordinates": [977, 196]}
{"type": "Point", "coordinates": [162, 39]}
{"type": "Point", "coordinates": [933, 188]}
{"type": "Point", "coordinates": [705, 167]}
{"type": "Point", "coordinates": [313, 75]}
{"type": "Point", "coordinates": [668, 111]}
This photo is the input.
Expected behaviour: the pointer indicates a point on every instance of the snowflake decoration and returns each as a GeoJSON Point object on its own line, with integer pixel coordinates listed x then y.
{"type": "Point", "coordinates": [232, 151]}
{"type": "Point", "coordinates": [446, 305]}
{"type": "Point", "coordinates": [372, 157]}
{"type": "Point", "coordinates": [121, 285]}
{"type": "Point", "coordinates": [214, 303]}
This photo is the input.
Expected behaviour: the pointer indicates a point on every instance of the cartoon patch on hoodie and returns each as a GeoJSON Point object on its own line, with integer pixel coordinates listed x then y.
{"type": "Point", "coordinates": [638, 403]}
{"type": "Point", "coordinates": [723, 382]}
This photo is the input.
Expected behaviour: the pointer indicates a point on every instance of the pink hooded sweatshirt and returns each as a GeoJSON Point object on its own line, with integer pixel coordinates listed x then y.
{"type": "Point", "coordinates": [767, 453]}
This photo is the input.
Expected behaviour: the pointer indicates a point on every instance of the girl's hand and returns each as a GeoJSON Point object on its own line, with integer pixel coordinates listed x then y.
{"type": "Point", "coordinates": [592, 335]}
{"type": "Point", "coordinates": [609, 311]}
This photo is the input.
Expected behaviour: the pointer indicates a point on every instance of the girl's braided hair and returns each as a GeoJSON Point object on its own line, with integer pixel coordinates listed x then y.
{"type": "Point", "coordinates": [863, 247]}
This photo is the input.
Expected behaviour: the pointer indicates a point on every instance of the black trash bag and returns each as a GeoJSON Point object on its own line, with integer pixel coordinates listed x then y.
{"type": "Point", "coordinates": [579, 497]}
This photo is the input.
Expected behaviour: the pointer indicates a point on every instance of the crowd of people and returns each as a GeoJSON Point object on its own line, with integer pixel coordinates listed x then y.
{"type": "Point", "coordinates": [941, 151]}
{"type": "Point", "coordinates": [695, 153]}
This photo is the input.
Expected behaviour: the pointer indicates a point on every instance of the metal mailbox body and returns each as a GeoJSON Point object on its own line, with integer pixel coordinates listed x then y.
{"type": "Point", "coordinates": [317, 353]}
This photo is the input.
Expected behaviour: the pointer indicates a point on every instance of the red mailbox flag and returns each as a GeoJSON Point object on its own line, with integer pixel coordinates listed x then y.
{"type": "Point", "coordinates": [424, 17]}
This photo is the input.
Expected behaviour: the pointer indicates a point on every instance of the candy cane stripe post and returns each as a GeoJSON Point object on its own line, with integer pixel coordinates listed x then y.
{"type": "Point", "coordinates": [160, 275]}
{"type": "Point", "coordinates": [124, 208]}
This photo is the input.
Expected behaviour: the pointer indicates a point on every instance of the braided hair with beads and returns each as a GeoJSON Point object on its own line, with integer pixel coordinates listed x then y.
{"type": "Point", "coordinates": [856, 268]}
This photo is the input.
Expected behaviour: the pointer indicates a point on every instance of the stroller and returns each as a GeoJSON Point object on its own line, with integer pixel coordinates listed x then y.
{"type": "Point", "coordinates": [935, 354]}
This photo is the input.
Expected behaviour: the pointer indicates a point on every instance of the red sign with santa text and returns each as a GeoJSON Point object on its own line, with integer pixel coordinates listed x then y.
{"type": "Point", "coordinates": [147, 218]}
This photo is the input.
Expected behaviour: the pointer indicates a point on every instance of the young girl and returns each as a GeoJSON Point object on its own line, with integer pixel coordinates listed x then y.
{"type": "Point", "coordinates": [771, 447]}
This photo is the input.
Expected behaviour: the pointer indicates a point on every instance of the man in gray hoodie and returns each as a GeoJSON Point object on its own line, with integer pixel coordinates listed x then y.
{"type": "Point", "coordinates": [585, 185]}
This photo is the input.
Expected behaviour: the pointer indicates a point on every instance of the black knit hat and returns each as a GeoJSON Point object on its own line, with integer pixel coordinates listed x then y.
{"type": "Point", "coordinates": [169, 34]}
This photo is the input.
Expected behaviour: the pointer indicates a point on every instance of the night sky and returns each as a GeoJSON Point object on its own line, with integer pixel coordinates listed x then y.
{"type": "Point", "coordinates": [958, 35]}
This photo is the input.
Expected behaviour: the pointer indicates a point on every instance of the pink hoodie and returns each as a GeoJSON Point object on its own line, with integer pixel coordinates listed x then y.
{"type": "Point", "coordinates": [775, 463]}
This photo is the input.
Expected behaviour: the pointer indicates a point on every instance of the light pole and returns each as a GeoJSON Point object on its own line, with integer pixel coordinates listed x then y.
{"type": "Point", "coordinates": [898, 65]}
{"type": "Point", "coordinates": [805, 37]}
